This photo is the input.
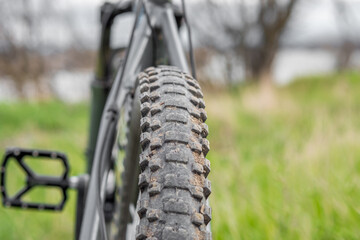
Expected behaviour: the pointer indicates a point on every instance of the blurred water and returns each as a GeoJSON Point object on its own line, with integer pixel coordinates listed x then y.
{"type": "Point", "coordinates": [74, 86]}
{"type": "Point", "coordinates": [289, 64]}
{"type": "Point", "coordinates": [293, 63]}
{"type": "Point", "coordinates": [7, 90]}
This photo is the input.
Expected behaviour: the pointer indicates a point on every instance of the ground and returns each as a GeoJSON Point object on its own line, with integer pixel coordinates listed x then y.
{"type": "Point", "coordinates": [285, 161]}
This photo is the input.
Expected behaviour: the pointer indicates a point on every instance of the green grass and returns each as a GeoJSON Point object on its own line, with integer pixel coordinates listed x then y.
{"type": "Point", "coordinates": [54, 126]}
{"type": "Point", "coordinates": [285, 161]}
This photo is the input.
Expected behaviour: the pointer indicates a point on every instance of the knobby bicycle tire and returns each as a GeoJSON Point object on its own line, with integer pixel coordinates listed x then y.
{"type": "Point", "coordinates": [173, 184]}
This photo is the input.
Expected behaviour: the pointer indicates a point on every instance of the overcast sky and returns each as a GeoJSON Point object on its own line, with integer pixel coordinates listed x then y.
{"type": "Point", "coordinates": [313, 20]}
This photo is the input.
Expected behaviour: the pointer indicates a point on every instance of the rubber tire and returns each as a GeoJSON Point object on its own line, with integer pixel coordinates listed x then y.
{"type": "Point", "coordinates": [173, 181]}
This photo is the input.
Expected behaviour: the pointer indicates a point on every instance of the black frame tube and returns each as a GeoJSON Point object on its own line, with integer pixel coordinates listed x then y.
{"type": "Point", "coordinates": [101, 85]}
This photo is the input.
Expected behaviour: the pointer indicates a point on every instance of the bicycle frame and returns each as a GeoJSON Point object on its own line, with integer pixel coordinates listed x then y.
{"type": "Point", "coordinates": [140, 56]}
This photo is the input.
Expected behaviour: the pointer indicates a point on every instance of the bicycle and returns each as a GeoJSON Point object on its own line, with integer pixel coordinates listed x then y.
{"type": "Point", "coordinates": [147, 120]}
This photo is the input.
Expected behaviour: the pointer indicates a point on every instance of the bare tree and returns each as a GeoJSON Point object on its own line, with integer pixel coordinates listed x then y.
{"type": "Point", "coordinates": [19, 56]}
{"type": "Point", "coordinates": [345, 19]}
{"type": "Point", "coordinates": [24, 34]}
{"type": "Point", "coordinates": [249, 30]}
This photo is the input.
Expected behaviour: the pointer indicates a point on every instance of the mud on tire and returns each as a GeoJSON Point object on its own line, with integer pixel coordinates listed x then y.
{"type": "Point", "coordinates": [173, 181]}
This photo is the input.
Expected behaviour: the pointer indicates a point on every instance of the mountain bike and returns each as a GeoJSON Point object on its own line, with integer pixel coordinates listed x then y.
{"type": "Point", "coordinates": [147, 171]}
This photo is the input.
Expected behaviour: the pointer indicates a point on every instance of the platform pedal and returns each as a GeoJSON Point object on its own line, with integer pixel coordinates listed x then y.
{"type": "Point", "coordinates": [33, 179]}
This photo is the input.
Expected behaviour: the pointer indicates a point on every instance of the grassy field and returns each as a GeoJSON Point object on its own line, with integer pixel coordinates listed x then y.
{"type": "Point", "coordinates": [285, 161]}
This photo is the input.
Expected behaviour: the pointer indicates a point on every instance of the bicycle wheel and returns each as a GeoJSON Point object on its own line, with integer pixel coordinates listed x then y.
{"type": "Point", "coordinates": [125, 153]}
{"type": "Point", "coordinates": [173, 185]}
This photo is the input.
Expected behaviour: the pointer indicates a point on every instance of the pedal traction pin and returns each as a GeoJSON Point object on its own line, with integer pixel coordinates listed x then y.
{"type": "Point", "coordinates": [16, 152]}
{"type": "Point", "coordinates": [35, 154]}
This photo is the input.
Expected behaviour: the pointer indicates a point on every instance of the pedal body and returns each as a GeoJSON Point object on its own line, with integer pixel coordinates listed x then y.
{"type": "Point", "coordinates": [33, 179]}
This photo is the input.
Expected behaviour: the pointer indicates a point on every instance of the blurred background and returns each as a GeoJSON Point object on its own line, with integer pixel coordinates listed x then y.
{"type": "Point", "coordinates": [282, 86]}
